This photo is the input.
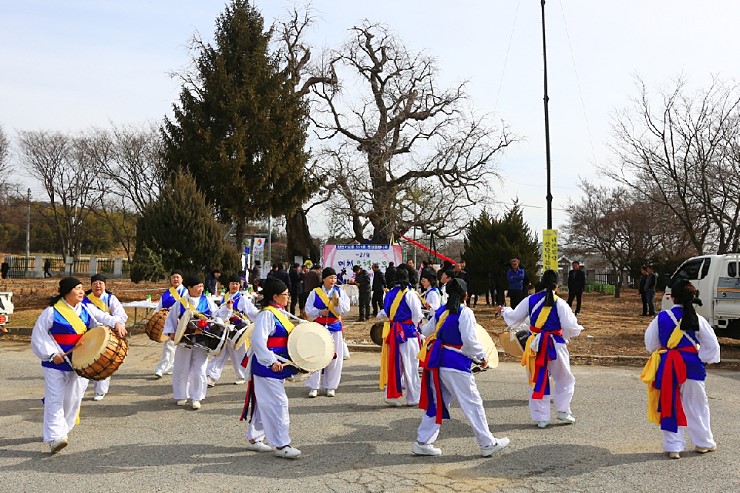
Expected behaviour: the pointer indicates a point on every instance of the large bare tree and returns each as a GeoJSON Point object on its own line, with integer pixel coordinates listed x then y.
{"type": "Point", "coordinates": [63, 165]}
{"type": "Point", "coordinates": [681, 153]}
{"type": "Point", "coordinates": [388, 129]}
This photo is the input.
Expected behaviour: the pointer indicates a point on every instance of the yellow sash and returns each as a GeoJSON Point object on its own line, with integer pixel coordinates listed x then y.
{"type": "Point", "coordinates": [98, 302]}
{"type": "Point", "coordinates": [174, 294]}
{"type": "Point", "coordinates": [650, 370]}
{"type": "Point", "coordinates": [70, 316]}
{"type": "Point", "coordinates": [383, 379]}
{"type": "Point", "coordinates": [430, 340]}
{"type": "Point", "coordinates": [185, 302]}
{"type": "Point", "coordinates": [529, 356]}
{"type": "Point", "coordinates": [321, 294]}
{"type": "Point", "coordinates": [281, 318]}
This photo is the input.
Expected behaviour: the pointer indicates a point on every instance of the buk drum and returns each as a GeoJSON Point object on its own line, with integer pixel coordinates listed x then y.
{"type": "Point", "coordinates": [514, 341]}
{"type": "Point", "coordinates": [99, 353]}
{"type": "Point", "coordinates": [155, 325]}
{"type": "Point", "coordinates": [310, 346]}
{"type": "Point", "coordinates": [485, 339]}
{"type": "Point", "coordinates": [202, 333]}
{"type": "Point", "coordinates": [376, 333]}
{"type": "Point", "coordinates": [240, 335]}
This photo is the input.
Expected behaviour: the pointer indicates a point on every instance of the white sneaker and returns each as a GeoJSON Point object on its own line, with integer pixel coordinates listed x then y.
{"type": "Point", "coordinates": [331, 392]}
{"type": "Point", "coordinates": [258, 447]}
{"type": "Point", "coordinates": [313, 393]}
{"type": "Point", "coordinates": [196, 405]}
{"type": "Point", "coordinates": [287, 452]}
{"type": "Point", "coordinates": [394, 403]}
{"type": "Point", "coordinates": [425, 449]}
{"type": "Point", "coordinates": [58, 445]}
{"type": "Point", "coordinates": [489, 450]}
{"type": "Point", "coordinates": [157, 375]}
{"type": "Point", "coordinates": [99, 397]}
{"type": "Point", "coordinates": [182, 402]}
{"type": "Point", "coordinates": [543, 424]}
{"type": "Point", "coordinates": [566, 418]}
{"type": "Point", "coordinates": [239, 382]}
{"type": "Point", "coordinates": [673, 455]}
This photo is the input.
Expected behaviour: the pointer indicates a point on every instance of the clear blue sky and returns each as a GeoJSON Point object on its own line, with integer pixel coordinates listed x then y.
{"type": "Point", "coordinates": [69, 65]}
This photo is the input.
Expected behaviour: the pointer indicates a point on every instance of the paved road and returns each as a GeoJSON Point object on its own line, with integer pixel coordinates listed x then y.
{"type": "Point", "coordinates": [138, 440]}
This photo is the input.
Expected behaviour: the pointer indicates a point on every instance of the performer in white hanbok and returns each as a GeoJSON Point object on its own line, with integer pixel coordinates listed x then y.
{"type": "Point", "coordinates": [189, 369]}
{"type": "Point", "coordinates": [266, 404]}
{"type": "Point", "coordinates": [431, 295]}
{"type": "Point", "coordinates": [105, 301]}
{"type": "Point", "coordinates": [681, 343]}
{"type": "Point", "coordinates": [168, 299]}
{"type": "Point", "coordinates": [546, 355]}
{"type": "Point", "coordinates": [399, 365]}
{"type": "Point", "coordinates": [448, 354]}
{"type": "Point", "coordinates": [240, 304]}
{"type": "Point", "coordinates": [326, 305]}
{"type": "Point", "coordinates": [59, 327]}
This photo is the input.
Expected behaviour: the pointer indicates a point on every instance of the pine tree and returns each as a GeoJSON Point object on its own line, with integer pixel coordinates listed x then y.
{"type": "Point", "coordinates": [178, 231]}
{"type": "Point", "coordinates": [240, 129]}
{"type": "Point", "coordinates": [491, 242]}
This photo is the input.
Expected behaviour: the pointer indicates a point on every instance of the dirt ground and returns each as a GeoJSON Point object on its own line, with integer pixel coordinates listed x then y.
{"type": "Point", "coordinates": [613, 327]}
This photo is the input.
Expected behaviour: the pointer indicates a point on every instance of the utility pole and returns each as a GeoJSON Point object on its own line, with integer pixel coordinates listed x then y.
{"type": "Point", "coordinates": [547, 123]}
{"type": "Point", "coordinates": [28, 233]}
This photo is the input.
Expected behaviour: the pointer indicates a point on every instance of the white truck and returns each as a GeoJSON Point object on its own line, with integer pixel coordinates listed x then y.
{"type": "Point", "coordinates": [717, 278]}
{"type": "Point", "coordinates": [6, 308]}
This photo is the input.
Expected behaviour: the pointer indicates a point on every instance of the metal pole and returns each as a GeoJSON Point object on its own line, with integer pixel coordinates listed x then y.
{"type": "Point", "coordinates": [269, 243]}
{"type": "Point", "coordinates": [547, 122]}
{"type": "Point", "coordinates": [28, 233]}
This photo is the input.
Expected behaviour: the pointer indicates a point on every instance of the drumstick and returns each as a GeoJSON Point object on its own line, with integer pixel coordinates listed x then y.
{"type": "Point", "coordinates": [477, 362]}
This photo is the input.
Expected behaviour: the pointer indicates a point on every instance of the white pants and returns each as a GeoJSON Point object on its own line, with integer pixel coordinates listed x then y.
{"type": "Point", "coordinates": [331, 375]}
{"type": "Point", "coordinates": [270, 420]}
{"type": "Point", "coordinates": [458, 386]}
{"type": "Point", "coordinates": [409, 351]}
{"type": "Point", "coordinates": [189, 373]}
{"type": "Point", "coordinates": [63, 391]}
{"type": "Point", "coordinates": [216, 365]}
{"type": "Point", "coordinates": [102, 386]}
{"type": "Point", "coordinates": [562, 387]}
{"type": "Point", "coordinates": [168, 358]}
{"type": "Point", "coordinates": [696, 408]}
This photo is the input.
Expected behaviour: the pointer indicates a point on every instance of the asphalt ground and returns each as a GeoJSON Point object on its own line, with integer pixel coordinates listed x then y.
{"type": "Point", "coordinates": [137, 439]}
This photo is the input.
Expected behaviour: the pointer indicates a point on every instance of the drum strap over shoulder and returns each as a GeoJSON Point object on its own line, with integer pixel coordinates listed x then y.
{"type": "Point", "coordinates": [100, 304]}
{"type": "Point", "coordinates": [325, 298]}
{"type": "Point", "coordinates": [70, 316]}
{"type": "Point", "coordinates": [175, 294]}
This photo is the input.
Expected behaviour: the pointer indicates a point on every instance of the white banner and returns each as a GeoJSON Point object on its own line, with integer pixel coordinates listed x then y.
{"type": "Point", "coordinates": [344, 257]}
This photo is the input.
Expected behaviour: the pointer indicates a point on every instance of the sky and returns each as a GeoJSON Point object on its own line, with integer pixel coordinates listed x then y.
{"type": "Point", "coordinates": [75, 64]}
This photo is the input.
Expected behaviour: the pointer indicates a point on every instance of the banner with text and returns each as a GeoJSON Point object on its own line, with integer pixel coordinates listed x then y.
{"type": "Point", "coordinates": [346, 256]}
{"type": "Point", "coordinates": [550, 249]}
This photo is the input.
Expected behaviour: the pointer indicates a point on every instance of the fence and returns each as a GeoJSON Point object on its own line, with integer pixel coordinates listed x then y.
{"type": "Point", "coordinates": [20, 267]}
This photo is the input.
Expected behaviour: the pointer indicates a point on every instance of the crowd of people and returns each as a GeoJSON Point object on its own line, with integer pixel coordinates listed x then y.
{"type": "Point", "coordinates": [429, 348]}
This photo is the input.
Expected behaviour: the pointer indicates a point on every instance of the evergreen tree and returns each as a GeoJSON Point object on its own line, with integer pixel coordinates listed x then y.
{"type": "Point", "coordinates": [491, 242]}
{"type": "Point", "coordinates": [178, 231]}
{"type": "Point", "coordinates": [240, 128]}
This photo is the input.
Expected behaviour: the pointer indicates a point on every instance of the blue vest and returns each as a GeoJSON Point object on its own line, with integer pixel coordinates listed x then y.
{"type": "Point", "coordinates": [203, 306]}
{"type": "Point", "coordinates": [278, 348]}
{"type": "Point", "coordinates": [552, 323]}
{"type": "Point", "coordinates": [168, 300]}
{"type": "Point", "coordinates": [449, 334]}
{"type": "Point", "coordinates": [695, 369]}
{"type": "Point", "coordinates": [105, 299]}
{"type": "Point", "coordinates": [61, 328]}
{"type": "Point", "coordinates": [319, 303]}
{"type": "Point", "coordinates": [402, 314]}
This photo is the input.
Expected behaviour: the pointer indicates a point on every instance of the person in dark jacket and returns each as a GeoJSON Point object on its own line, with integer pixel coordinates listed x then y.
{"type": "Point", "coordinates": [378, 289]}
{"type": "Point", "coordinates": [515, 277]}
{"type": "Point", "coordinates": [363, 283]}
{"type": "Point", "coordinates": [390, 275]}
{"type": "Point", "coordinates": [282, 274]}
{"type": "Point", "coordinates": [296, 286]}
{"type": "Point", "coordinates": [643, 280]}
{"type": "Point", "coordinates": [651, 283]}
{"type": "Point", "coordinates": [413, 274]}
{"type": "Point", "coordinates": [576, 285]}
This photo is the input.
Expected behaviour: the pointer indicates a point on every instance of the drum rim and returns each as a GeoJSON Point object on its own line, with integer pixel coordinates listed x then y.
{"type": "Point", "coordinates": [107, 336]}
{"type": "Point", "coordinates": [182, 325]}
{"type": "Point", "coordinates": [488, 344]}
{"type": "Point", "coordinates": [323, 333]}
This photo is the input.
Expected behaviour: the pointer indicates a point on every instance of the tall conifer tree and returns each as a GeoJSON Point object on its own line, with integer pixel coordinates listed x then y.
{"type": "Point", "coordinates": [240, 129]}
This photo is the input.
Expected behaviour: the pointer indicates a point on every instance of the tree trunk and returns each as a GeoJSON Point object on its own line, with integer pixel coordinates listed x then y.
{"type": "Point", "coordinates": [300, 242]}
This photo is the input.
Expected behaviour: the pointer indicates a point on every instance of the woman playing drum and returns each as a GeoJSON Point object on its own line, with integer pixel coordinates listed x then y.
{"type": "Point", "coordinates": [266, 396]}
{"type": "Point", "coordinates": [104, 300]}
{"type": "Point", "coordinates": [168, 299]}
{"type": "Point", "coordinates": [189, 370]}
{"type": "Point", "coordinates": [59, 327]}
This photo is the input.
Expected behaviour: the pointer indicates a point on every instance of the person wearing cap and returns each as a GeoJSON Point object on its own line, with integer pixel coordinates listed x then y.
{"type": "Point", "coordinates": [104, 300]}
{"type": "Point", "coordinates": [326, 305]}
{"type": "Point", "coordinates": [681, 342]}
{"type": "Point", "coordinates": [242, 304]}
{"type": "Point", "coordinates": [266, 403]}
{"type": "Point", "coordinates": [57, 330]}
{"type": "Point", "coordinates": [168, 299]}
{"type": "Point", "coordinates": [399, 366]}
{"type": "Point", "coordinates": [448, 354]}
{"type": "Point", "coordinates": [189, 369]}
{"type": "Point", "coordinates": [546, 355]}
{"type": "Point", "coordinates": [431, 295]}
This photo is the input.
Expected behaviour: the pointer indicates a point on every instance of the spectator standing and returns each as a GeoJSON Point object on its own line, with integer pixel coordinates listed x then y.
{"type": "Point", "coordinates": [279, 272]}
{"type": "Point", "coordinates": [5, 269]}
{"type": "Point", "coordinates": [576, 285]}
{"type": "Point", "coordinates": [491, 288]}
{"type": "Point", "coordinates": [364, 286]}
{"type": "Point", "coordinates": [378, 289]}
{"type": "Point", "coordinates": [311, 281]}
{"type": "Point", "coordinates": [413, 274]}
{"type": "Point", "coordinates": [390, 275]}
{"type": "Point", "coordinates": [47, 268]}
{"type": "Point", "coordinates": [254, 272]}
{"type": "Point", "coordinates": [643, 280]}
{"type": "Point", "coordinates": [515, 277]}
{"type": "Point", "coordinates": [296, 286]}
{"type": "Point", "coordinates": [650, 283]}
{"type": "Point", "coordinates": [212, 281]}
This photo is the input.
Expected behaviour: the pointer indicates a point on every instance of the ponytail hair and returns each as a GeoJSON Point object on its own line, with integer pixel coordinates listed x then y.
{"type": "Point", "coordinates": [684, 294]}
{"type": "Point", "coordinates": [457, 290]}
{"type": "Point", "coordinates": [549, 282]}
